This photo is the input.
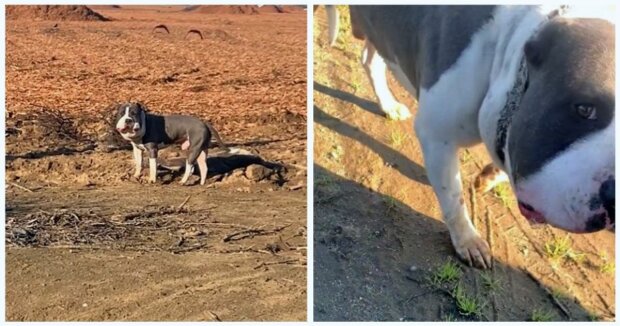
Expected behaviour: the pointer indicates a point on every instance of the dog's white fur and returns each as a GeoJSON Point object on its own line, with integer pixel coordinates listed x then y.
{"type": "Point", "coordinates": [580, 171]}
{"type": "Point", "coordinates": [477, 85]}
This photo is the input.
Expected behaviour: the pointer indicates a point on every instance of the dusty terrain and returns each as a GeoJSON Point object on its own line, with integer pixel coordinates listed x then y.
{"type": "Point", "coordinates": [380, 244]}
{"type": "Point", "coordinates": [84, 242]}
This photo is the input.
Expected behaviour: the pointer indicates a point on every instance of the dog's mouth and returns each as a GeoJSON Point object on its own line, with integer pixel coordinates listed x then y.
{"type": "Point", "coordinates": [125, 130]}
{"type": "Point", "coordinates": [535, 218]}
{"type": "Point", "coordinates": [129, 129]}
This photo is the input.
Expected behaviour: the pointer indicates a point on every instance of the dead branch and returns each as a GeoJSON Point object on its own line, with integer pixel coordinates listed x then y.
{"type": "Point", "coordinates": [184, 202]}
{"type": "Point", "coordinates": [251, 233]}
{"type": "Point", "coordinates": [290, 261]}
{"type": "Point", "coordinates": [214, 316]}
{"type": "Point", "coordinates": [20, 187]}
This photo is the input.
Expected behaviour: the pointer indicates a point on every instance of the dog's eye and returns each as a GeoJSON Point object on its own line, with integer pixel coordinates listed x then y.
{"type": "Point", "coordinates": [586, 111]}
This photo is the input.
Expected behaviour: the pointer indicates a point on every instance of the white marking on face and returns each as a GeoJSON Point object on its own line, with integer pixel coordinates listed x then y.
{"type": "Point", "coordinates": [562, 190]}
{"type": "Point", "coordinates": [120, 124]}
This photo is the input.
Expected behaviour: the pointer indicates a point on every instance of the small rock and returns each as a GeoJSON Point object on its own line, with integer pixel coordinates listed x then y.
{"type": "Point", "coordinates": [84, 180]}
{"type": "Point", "coordinates": [84, 304]}
{"type": "Point", "coordinates": [257, 172]}
{"type": "Point", "coordinates": [413, 268]}
{"type": "Point", "coordinates": [167, 177]}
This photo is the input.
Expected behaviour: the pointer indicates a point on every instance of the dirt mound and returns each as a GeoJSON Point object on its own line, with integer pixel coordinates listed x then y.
{"type": "Point", "coordinates": [243, 9]}
{"type": "Point", "coordinates": [56, 12]}
{"type": "Point", "coordinates": [279, 9]}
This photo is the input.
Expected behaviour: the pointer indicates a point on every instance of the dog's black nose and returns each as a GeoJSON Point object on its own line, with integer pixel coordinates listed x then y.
{"type": "Point", "coordinates": [607, 192]}
{"type": "Point", "coordinates": [128, 121]}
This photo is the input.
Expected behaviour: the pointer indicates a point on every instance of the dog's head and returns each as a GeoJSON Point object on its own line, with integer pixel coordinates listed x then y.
{"type": "Point", "coordinates": [130, 119]}
{"type": "Point", "coordinates": [560, 143]}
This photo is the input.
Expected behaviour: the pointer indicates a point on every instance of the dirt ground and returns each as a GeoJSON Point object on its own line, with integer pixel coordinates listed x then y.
{"type": "Point", "coordinates": [84, 242]}
{"type": "Point", "coordinates": [380, 244]}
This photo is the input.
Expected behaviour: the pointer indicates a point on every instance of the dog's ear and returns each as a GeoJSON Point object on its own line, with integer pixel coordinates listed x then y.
{"type": "Point", "coordinates": [537, 49]}
{"type": "Point", "coordinates": [142, 106]}
{"type": "Point", "coordinates": [534, 53]}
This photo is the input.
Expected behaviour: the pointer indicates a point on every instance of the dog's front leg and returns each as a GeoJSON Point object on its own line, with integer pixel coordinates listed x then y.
{"type": "Point", "coordinates": [152, 148]}
{"type": "Point", "coordinates": [137, 158]}
{"type": "Point", "coordinates": [441, 161]}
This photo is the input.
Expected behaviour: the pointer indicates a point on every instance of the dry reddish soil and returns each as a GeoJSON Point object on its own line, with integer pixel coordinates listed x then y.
{"type": "Point", "coordinates": [83, 241]}
{"type": "Point", "coordinates": [378, 235]}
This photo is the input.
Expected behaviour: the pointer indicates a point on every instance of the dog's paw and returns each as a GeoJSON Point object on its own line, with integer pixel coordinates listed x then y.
{"type": "Point", "coordinates": [489, 177]}
{"type": "Point", "coordinates": [397, 112]}
{"type": "Point", "coordinates": [475, 252]}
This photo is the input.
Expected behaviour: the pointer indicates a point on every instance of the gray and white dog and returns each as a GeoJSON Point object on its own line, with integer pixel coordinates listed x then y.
{"type": "Point", "coordinates": [536, 85]}
{"type": "Point", "coordinates": [147, 131]}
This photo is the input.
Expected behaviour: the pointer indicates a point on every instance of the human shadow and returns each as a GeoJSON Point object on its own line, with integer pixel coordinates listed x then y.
{"type": "Point", "coordinates": [396, 159]}
{"type": "Point", "coordinates": [374, 259]}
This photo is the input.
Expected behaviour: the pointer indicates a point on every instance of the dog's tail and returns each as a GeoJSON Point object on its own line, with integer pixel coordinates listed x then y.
{"type": "Point", "coordinates": [215, 134]}
{"type": "Point", "coordinates": [332, 23]}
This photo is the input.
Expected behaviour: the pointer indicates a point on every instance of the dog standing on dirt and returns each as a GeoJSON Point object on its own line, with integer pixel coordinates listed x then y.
{"type": "Point", "coordinates": [146, 131]}
{"type": "Point", "coordinates": [535, 85]}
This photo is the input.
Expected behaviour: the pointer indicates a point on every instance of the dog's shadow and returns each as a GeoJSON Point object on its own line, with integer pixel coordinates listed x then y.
{"type": "Point", "coordinates": [402, 163]}
{"type": "Point", "coordinates": [375, 256]}
{"type": "Point", "coordinates": [364, 104]}
{"type": "Point", "coordinates": [171, 170]}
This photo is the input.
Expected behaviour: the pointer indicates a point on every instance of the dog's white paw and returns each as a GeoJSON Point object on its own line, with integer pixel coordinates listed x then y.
{"type": "Point", "coordinates": [397, 111]}
{"type": "Point", "coordinates": [474, 251]}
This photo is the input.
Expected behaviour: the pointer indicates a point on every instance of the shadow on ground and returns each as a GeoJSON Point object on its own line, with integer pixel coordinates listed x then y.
{"type": "Point", "coordinates": [397, 160]}
{"type": "Point", "coordinates": [374, 257]}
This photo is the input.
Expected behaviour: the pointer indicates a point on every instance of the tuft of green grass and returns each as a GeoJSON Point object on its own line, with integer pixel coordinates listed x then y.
{"type": "Point", "coordinates": [398, 138]}
{"type": "Point", "coordinates": [356, 85]}
{"type": "Point", "coordinates": [559, 294]}
{"type": "Point", "coordinates": [467, 305]}
{"type": "Point", "coordinates": [490, 283]}
{"type": "Point", "coordinates": [324, 180]}
{"type": "Point", "coordinates": [336, 153]}
{"type": "Point", "coordinates": [541, 315]}
{"type": "Point", "coordinates": [560, 248]}
{"type": "Point", "coordinates": [446, 273]}
{"type": "Point", "coordinates": [608, 268]}
{"type": "Point", "coordinates": [390, 202]}
{"type": "Point", "coordinates": [503, 192]}
{"type": "Point", "coordinates": [593, 316]}
{"type": "Point", "coordinates": [448, 317]}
